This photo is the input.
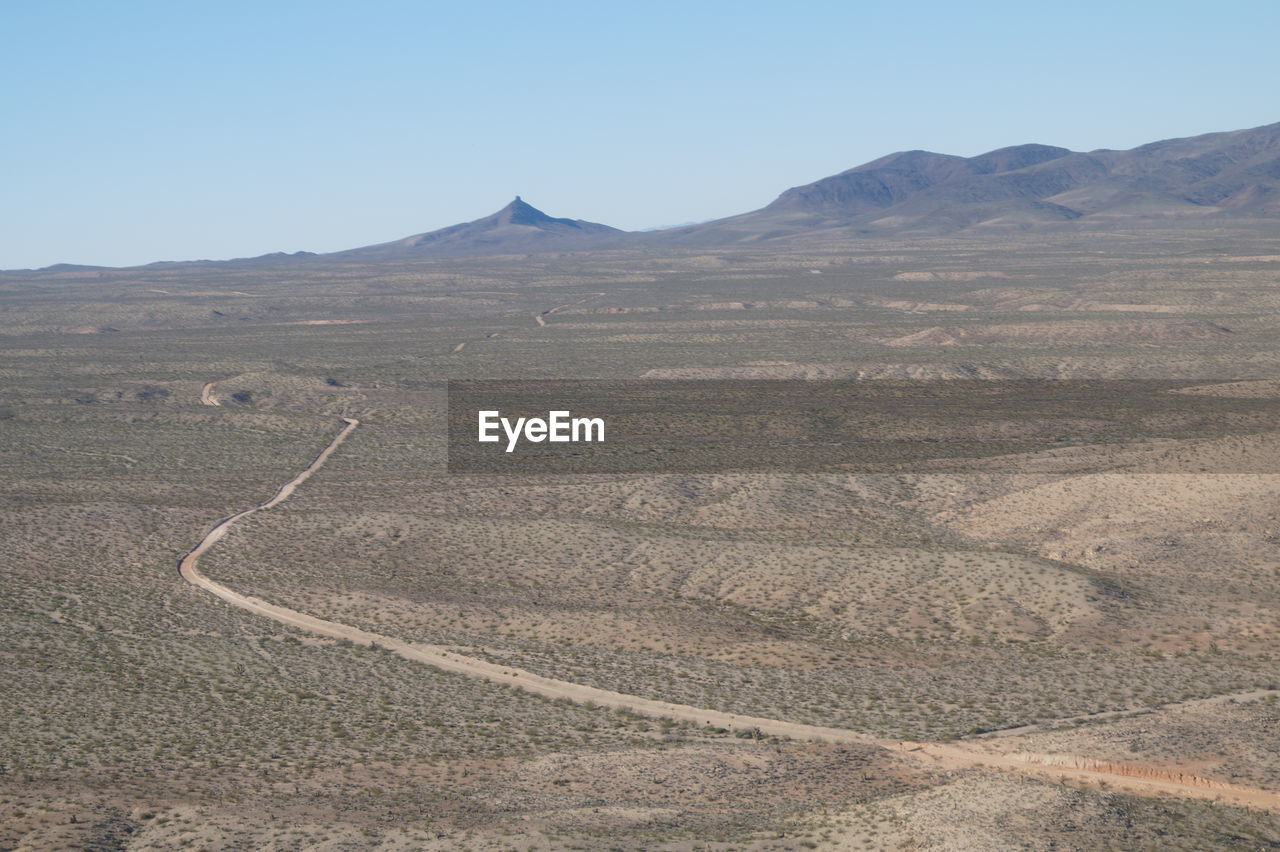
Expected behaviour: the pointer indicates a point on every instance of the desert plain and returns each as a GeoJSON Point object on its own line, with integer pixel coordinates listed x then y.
{"type": "Point", "coordinates": [1032, 654]}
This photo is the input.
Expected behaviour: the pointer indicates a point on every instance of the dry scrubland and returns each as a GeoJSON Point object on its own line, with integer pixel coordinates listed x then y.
{"type": "Point", "coordinates": [139, 712]}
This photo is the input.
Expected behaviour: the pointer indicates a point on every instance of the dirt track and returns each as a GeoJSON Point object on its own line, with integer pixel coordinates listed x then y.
{"type": "Point", "coordinates": [1067, 721]}
{"type": "Point", "coordinates": [1149, 781]}
{"type": "Point", "coordinates": [1141, 780]}
{"type": "Point", "coordinates": [206, 394]}
{"type": "Point", "coordinates": [538, 318]}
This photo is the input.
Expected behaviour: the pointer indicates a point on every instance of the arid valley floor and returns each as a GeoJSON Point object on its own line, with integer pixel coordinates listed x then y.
{"type": "Point", "coordinates": [390, 656]}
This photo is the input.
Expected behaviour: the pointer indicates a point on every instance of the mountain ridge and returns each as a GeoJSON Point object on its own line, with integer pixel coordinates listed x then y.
{"type": "Point", "coordinates": [1210, 178]}
{"type": "Point", "coordinates": [1232, 173]}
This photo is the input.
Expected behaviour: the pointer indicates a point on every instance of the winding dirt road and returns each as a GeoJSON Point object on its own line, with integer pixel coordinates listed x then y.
{"type": "Point", "coordinates": [206, 394]}
{"type": "Point", "coordinates": [1148, 781]}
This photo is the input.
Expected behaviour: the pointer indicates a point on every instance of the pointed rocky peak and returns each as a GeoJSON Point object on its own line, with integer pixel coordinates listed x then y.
{"type": "Point", "coordinates": [517, 227]}
{"type": "Point", "coordinates": [520, 212]}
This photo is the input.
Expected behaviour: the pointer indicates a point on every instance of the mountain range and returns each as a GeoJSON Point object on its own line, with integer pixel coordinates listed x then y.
{"type": "Point", "coordinates": [1211, 177]}
{"type": "Point", "coordinates": [1216, 177]}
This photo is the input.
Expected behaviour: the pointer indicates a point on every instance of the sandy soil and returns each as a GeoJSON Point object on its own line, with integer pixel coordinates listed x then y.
{"type": "Point", "coordinates": [1149, 781]}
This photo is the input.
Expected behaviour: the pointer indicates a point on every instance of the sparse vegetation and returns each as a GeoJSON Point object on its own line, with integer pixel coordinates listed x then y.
{"type": "Point", "coordinates": [915, 606]}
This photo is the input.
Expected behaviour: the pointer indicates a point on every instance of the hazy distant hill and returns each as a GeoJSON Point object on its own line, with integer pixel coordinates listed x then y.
{"type": "Point", "coordinates": [1216, 175]}
{"type": "Point", "coordinates": [517, 227]}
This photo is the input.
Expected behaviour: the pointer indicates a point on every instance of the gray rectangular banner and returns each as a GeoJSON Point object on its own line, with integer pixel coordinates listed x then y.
{"type": "Point", "coordinates": [650, 426]}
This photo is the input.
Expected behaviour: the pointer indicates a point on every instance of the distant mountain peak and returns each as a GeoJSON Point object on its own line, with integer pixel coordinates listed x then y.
{"type": "Point", "coordinates": [521, 212]}
{"type": "Point", "coordinates": [518, 227]}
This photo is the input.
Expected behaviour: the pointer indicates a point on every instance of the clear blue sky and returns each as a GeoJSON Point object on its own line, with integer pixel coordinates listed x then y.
{"type": "Point", "coordinates": [142, 131]}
